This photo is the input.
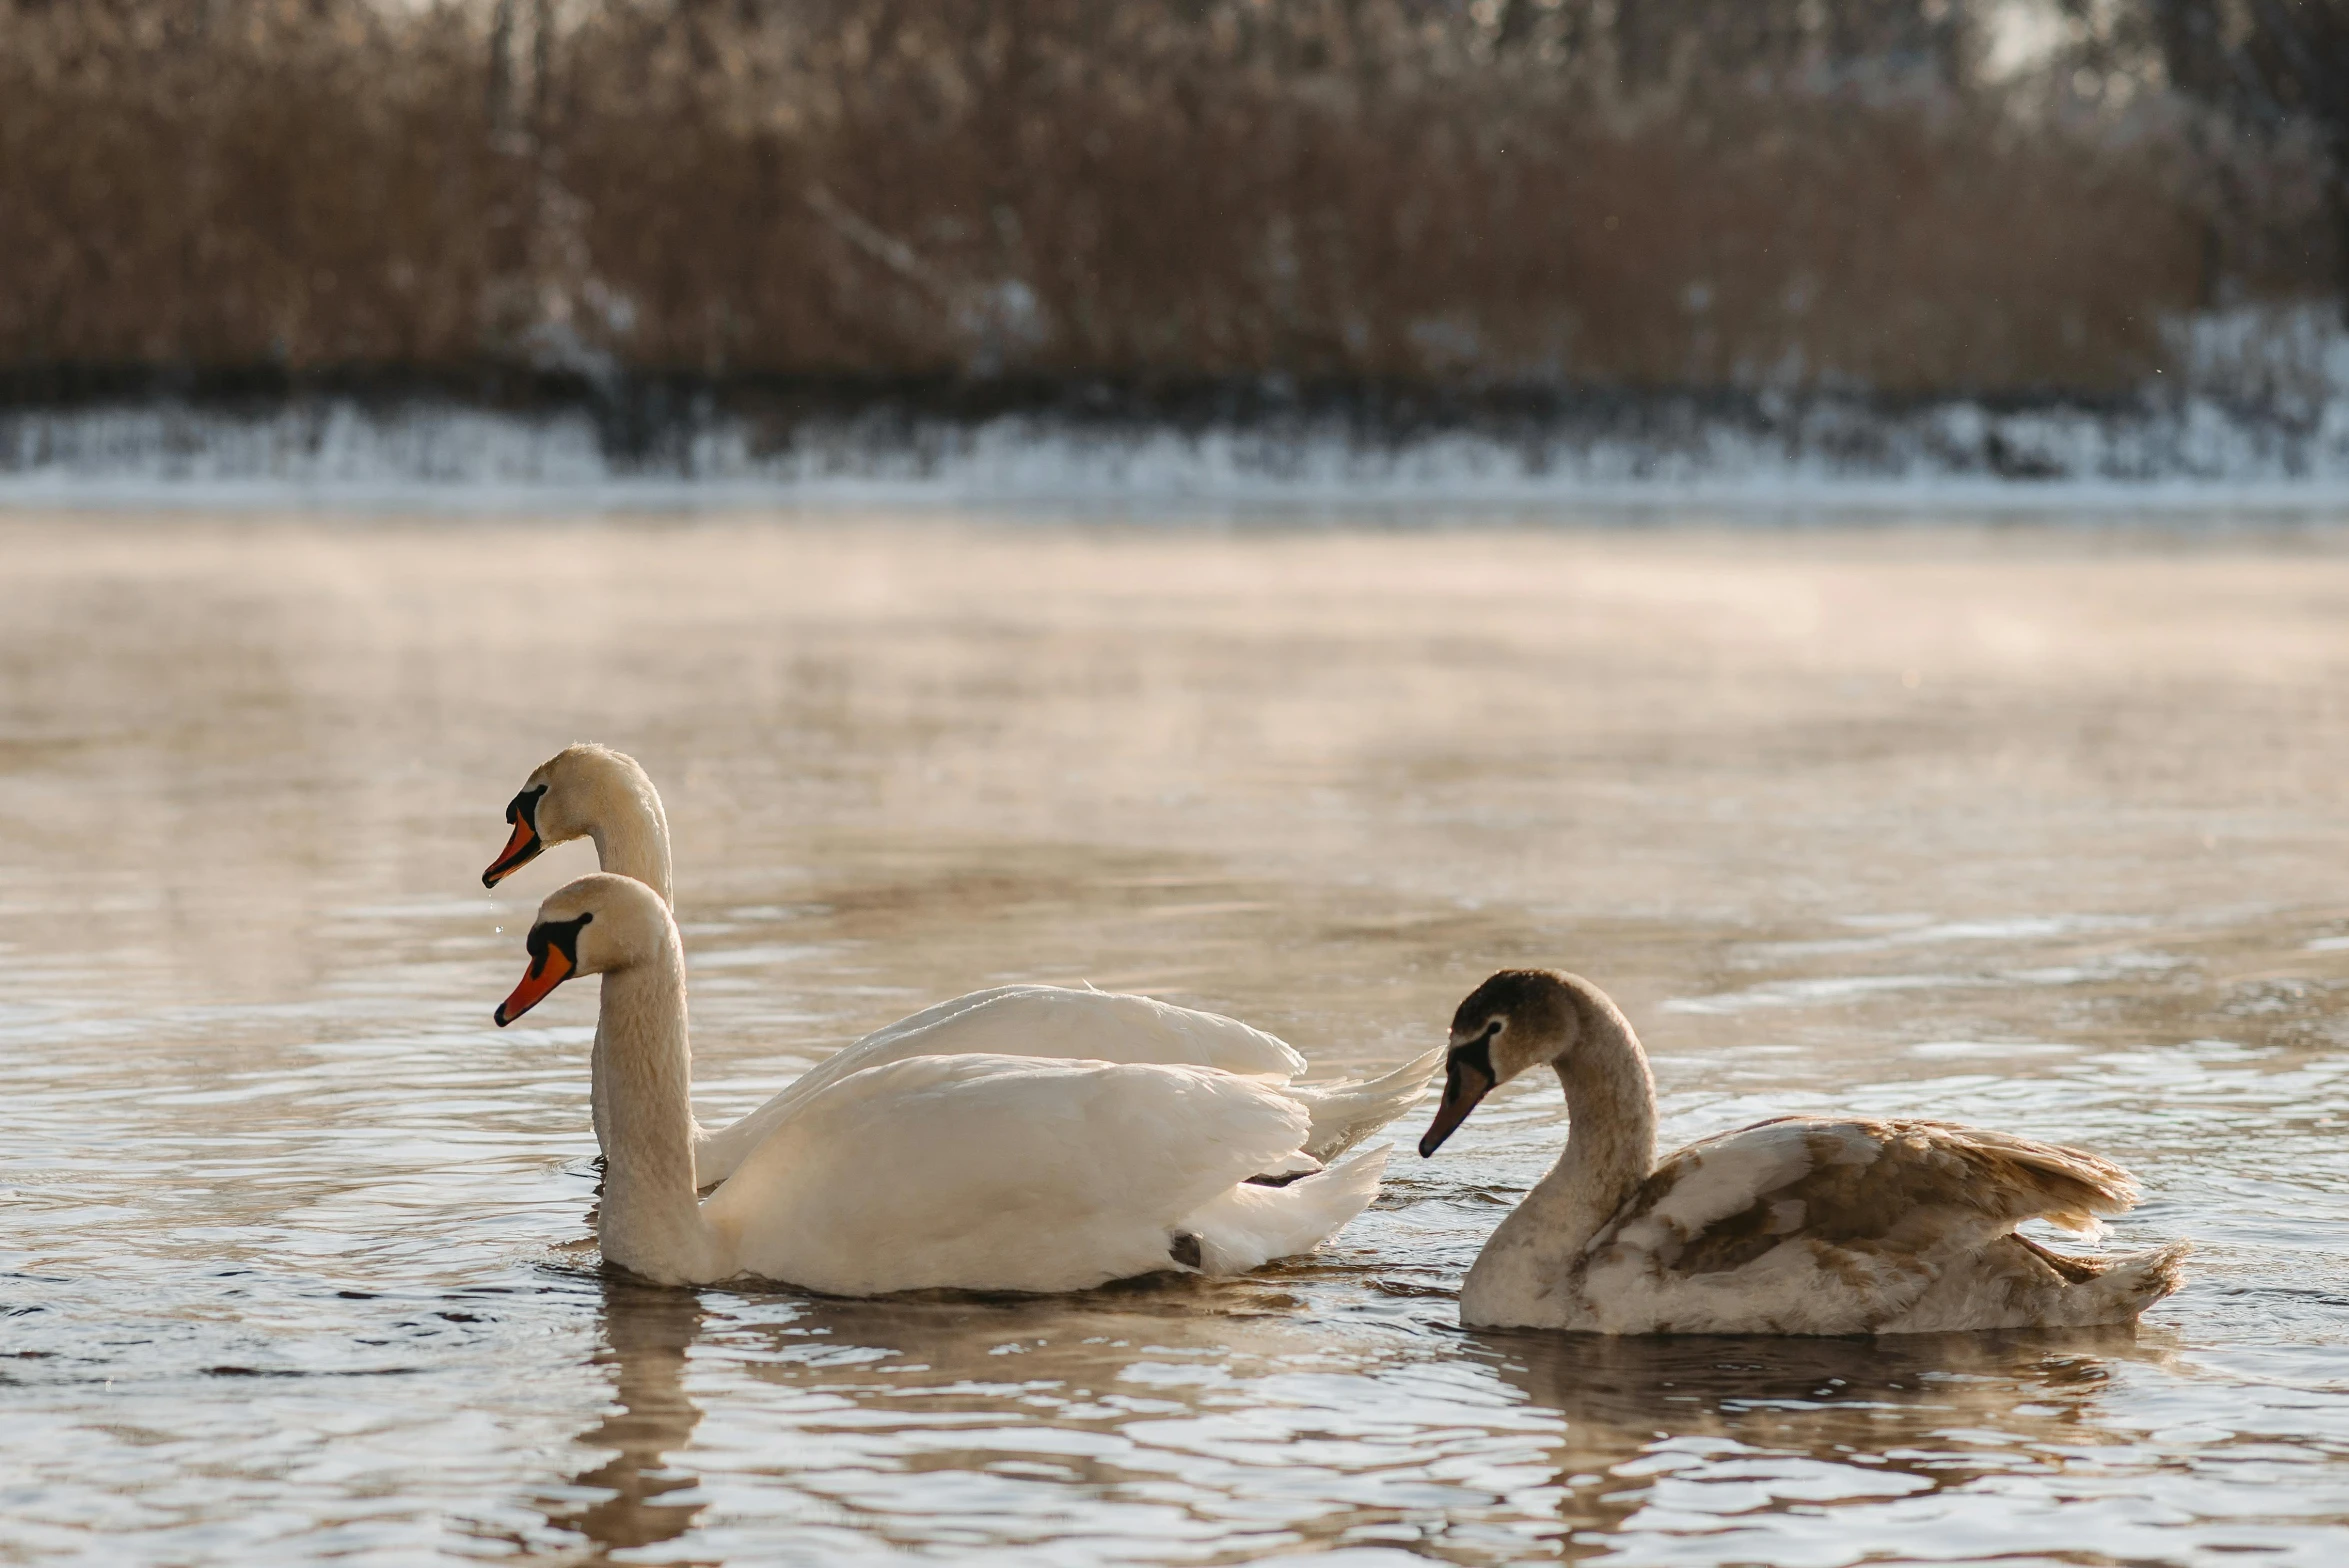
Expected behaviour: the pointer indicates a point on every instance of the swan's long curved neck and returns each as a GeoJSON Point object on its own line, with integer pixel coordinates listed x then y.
{"type": "Point", "coordinates": [631, 832]}
{"type": "Point", "coordinates": [651, 1221]}
{"type": "Point", "coordinates": [1610, 1149]}
{"type": "Point", "coordinates": [623, 816]}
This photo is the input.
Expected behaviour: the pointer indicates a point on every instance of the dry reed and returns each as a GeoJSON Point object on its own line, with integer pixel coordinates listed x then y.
{"type": "Point", "coordinates": [1150, 191]}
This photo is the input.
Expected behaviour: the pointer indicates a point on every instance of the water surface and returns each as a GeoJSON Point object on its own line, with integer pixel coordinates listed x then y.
{"type": "Point", "coordinates": [2037, 829]}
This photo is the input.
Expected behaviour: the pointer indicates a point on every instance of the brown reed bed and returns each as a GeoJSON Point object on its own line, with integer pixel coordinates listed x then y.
{"type": "Point", "coordinates": [1070, 189]}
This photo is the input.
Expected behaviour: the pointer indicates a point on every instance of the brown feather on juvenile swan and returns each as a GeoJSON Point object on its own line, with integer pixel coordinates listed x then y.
{"type": "Point", "coordinates": [1903, 1167]}
{"type": "Point", "coordinates": [1799, 1224]}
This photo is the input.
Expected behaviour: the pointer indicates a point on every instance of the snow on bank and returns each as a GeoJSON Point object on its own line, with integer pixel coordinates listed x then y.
{"type": "Point", "coordinates": [2256, 416]}
{"type": "Point", "coordinates": [2194, 453]}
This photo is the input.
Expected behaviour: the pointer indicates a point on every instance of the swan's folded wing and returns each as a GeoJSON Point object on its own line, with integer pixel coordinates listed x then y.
{"type": "Point", "coordinates": [1086, 1025]}
{"type": "Point", "coordinates": [993, 1172]}
{"type": "Point", "coordinates": [1019, 1020]}
{"type": "Point", "coordinates": [1346, 1112]}
{"type": "Point", "coordinates": [1844, 1222]}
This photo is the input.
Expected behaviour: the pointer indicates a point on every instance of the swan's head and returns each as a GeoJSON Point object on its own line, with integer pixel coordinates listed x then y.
{"type": "Point", "coordinates": [592, 926]}
{"type": "Point", "coordinates": [560, 801]}
{"type": "Point", "coordinates": [1519, 1018]}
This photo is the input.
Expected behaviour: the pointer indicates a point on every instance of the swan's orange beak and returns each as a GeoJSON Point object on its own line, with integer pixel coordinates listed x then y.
{"type": "Point", "coordinates": [1468, 1078]}
{"type": "Point", "coordinates": [520, 850]}
{"type": "Point", "coordinates": [523, 844]}
{"type": "Point", "coordinates": [552, 968]}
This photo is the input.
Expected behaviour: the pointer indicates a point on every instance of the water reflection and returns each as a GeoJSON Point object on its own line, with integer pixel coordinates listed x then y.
{"type": "Point", "coordinates": [631, 1498]}
{"type": "Point", "coordinates": [1687, 1434]}
{"type": "Point", "coordinates": [1178, 1419]}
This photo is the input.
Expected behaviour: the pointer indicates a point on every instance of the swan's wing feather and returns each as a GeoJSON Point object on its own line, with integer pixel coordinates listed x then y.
{"type": "Point", "coordinates": [1830, 1226]}
{"type": "Point", "coordinates": [1020, 1020]}
{"type": "Point", "coordinates": [995, 1172]}
{"type": "Point", "coordinates": [1348, 1111]}
{"type": "Point", "coordinates": [1101, 1026]}
{"type": "Point", "coordinates": [929, 1017]}
{"type": "Point", "coordinates": [1862, 1181]}
{"type": "Point", "coordinates": [1248, 1225]}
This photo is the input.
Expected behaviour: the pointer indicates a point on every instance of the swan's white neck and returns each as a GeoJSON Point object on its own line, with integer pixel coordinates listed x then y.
{"type": "Point", "coordinates": [1525, 1273]}
{"type": "Point", "coordinates": [651, 1222]}
{"type": "Point", "coordinates": [622, 814]}
{"type": "Point", "coordinates": [630, 830]}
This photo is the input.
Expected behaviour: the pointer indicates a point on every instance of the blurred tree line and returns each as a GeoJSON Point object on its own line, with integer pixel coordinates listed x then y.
{"type": "Point", "coordinates": [1912, 196]}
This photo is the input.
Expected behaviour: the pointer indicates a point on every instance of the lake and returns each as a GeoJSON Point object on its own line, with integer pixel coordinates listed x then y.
{"type": "Point", "coordinates": [2038, 826]}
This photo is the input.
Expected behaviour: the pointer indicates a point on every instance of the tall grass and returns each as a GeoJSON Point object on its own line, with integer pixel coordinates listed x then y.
{"type": "Point", "coordinates": [1152, 191]}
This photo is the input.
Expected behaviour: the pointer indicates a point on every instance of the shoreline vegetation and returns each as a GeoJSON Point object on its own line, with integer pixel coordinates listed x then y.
{"type": "Point", "coordinates": [1384, 221]}
{"type": "Point", "coordinates": [1020, 440]}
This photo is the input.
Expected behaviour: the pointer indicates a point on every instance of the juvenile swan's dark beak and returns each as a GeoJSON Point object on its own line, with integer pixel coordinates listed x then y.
{"type": "Point", "coordinates": [523, 845]}
{"type": "Point", "coordinates": [1468, 1078]}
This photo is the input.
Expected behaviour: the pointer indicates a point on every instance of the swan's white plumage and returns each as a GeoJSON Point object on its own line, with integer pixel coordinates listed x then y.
{"type": "Point", "coordinates": [1802, 1225]}
{"type": "Point", "coordinates": [1071, 1025]}
{"type": "Point", "coordinates": [1063, 1023]}
{"type": "Point", "coordinates": [1050, 1020]}
{"type": "Point", "coordinates": [592, 791]}
{"type": "Point", "coordinates": [976, 1170]}
{"type": "Point", "coordinates": [1054, 1175]}
{"type": "Point", "coordinates": [1247, 1226]}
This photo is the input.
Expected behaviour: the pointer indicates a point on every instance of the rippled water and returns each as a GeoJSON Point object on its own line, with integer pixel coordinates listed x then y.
{"type": "Point", "coordinates": [2043, 830]}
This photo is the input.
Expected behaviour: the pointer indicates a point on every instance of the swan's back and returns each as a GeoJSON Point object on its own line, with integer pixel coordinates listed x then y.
{"type": "Point", "coordinates": [1078, 1025]}
{"type": "Point", "coordinates": [1057, 1022]}
{"type": "Point", "coordinates": [1815, 1226]}
{"type": "Point", "coordinates": [1064, 1024]}
{"type": "Point", "coordinates": [999, 1172]}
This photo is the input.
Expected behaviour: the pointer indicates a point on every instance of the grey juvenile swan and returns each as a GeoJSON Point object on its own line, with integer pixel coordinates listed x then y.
{"type": "Point", "coordinates": [1799, 1225]}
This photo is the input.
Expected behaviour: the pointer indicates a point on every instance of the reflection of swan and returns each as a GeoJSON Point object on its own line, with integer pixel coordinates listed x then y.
{"type": "Point", "coordinates": [1796, 1226]}
{"type": "Point", "coordinates": [979, 1171]}
{"type": "Point", "coordinates": [595, 792]}
{"type": "Point", "coordinates": [1084, 1345]}
{"type": "Point", "coordinates": [1795, 1408]}
{"type": "Point", "coordinates": [646, 1335]}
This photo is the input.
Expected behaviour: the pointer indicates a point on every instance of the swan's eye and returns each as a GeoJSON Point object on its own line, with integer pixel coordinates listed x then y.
{"type": "Point", "coordinates": [563, 935]}
{"type": "Point", "coordinates": [560, 935]}
{"type": "Point", "coordinates": [1492, 1029]}
{"type": "Point", "coordinates": [524, 807]}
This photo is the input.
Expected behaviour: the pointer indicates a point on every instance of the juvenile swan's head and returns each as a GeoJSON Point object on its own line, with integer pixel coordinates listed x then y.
{"type": "Point", "coordinates": [1519, 1018]}
{"type": "Point", "coordinates": [595, 925]}
{"type": "Point", "coordinates": [560, 801]}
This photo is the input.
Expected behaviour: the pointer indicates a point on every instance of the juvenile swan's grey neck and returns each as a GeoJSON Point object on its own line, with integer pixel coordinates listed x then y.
{"type": "Point", "coordinates": [1524, 1274]}
{"type": "Point", "coordinates": [651, 1222]}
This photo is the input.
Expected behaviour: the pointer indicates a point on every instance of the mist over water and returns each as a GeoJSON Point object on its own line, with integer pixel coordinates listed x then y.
{"type": "Point", "coordinates": [2042, 830]}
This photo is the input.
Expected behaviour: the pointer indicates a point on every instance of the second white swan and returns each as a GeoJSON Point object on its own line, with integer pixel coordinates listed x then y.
{"type": "Point", "coordinates": [977, 1171]}
{"type": "Point", "coordinates": [593, 792]}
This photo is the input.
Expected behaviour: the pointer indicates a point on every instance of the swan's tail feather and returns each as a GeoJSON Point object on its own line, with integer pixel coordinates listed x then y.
{"type": "Point", "coordinates": [2112, 1289]}
{"type": "Point", "coordinates": [1347, 1112]}
{"type": "Point", "coordinates": [1294, 1166]}
{"type": "Point", "coordinates": [2131, 1284]}
{"type": "Point", "coordinates": [1251, 1225]}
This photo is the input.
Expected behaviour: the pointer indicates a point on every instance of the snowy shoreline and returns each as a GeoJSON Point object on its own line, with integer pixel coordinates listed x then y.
{"type": "Point", "coordinates": [1742, 453]}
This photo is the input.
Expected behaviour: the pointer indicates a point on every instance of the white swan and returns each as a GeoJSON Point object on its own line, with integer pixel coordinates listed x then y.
{"type": "Point", "coordinates": [594, 792]}
{"type": "Point", "coordinates": [1801, 1225]}
{"type": "Point", "coordinates": [978, 1171]}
